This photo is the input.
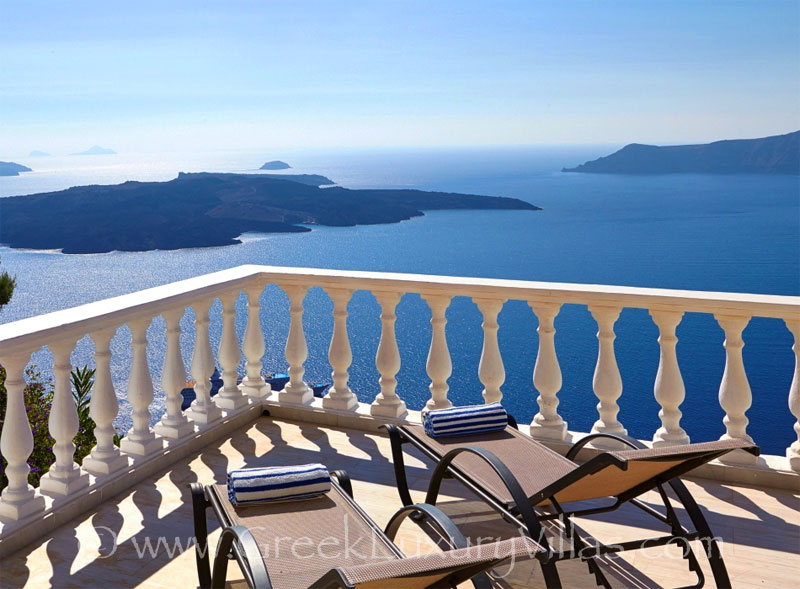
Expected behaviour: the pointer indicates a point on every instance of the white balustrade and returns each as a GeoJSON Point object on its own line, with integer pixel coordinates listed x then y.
{"type": "Point", "coordinates": [254, 347]}
{"type": "Point", "coordinates": [21, 505]}
{"type": "Point", "coordinates": [140, 440]}
{"type": "Point", "coordinates": [735, 396]}
{"type": "Point", "coordinates": [105, 457]}
{"type": "Point", "coordinates": [202, 410]}
{"type": "Point", "coordinates": [607, 381]}
{"type": "Point", "coordinates": [65, 476]}
{"type": "Point", "coordinates": [490, 368]}
{"type": "Point", "coordinates": [16, 443]}
{"type": "Point", "coordinates": [669, 390]}
{"type": "Point", "coordinates": [229, 396]}
{"type": "Point", "coordinates": [174, 424]}
{"type": "Point", "coordinates": [793, 451]}
{"type": "Point", "coordinates": [547, 423]}
{"type": "Point", "coordinates": [439, 365]}
{"type": "Point", "coordinates": [296, 391]}
{"type": "Point", "coordinates": [340, 355]}
{"type": "Point", "coordinates": [387, 360]}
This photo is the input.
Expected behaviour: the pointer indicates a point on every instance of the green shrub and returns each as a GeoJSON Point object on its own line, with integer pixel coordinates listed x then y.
{"type": "Point", "coordinates": [38, 403]}
{"type": "Point", "coordinates": [38, 396]}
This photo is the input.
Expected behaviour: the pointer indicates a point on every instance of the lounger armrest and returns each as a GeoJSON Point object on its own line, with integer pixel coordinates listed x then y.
{"type": "Point", "coordinates": [343, 479]}
{"type": "Point", "coordinates": [521, 502]}
{"type": "Point", "coordinates": [240, 541]}
{"type": "Point", "coordinates": [199, 505]}
{"type": "Point", "coordinates": [578, 446]}
{"type": "Point", "coordinates": [441, 521]}
{"type": "Point", "coordinates": [397, 441]}
{"type": "Point", "coordinates": [454, 566]}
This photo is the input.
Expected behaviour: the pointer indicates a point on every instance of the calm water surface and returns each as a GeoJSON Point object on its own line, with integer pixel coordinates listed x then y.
{"type": "Point", "coordinates": [703, 232]}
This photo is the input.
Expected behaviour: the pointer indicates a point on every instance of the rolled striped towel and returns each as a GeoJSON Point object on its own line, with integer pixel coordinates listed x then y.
{"type": "Point", "coordinates": [459, 421]}
{"type": "Point", "coordinates": [277, 483]}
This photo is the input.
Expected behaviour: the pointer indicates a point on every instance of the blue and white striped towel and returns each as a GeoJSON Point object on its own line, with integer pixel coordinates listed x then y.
{"type": "Point", "coordinates": [459, 421]}
{"type": "Point", "coordinates": [277, 483]}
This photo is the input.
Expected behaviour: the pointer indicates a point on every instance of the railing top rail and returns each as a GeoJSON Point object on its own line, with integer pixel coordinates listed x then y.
{"type": "Point", "coordinates": [34, 332]}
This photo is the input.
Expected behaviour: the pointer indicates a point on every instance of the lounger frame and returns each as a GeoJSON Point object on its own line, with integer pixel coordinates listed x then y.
{"type": "Point", "coordinates": [528, 519]}
{"type": "Point", "coordinates": [237, 543]}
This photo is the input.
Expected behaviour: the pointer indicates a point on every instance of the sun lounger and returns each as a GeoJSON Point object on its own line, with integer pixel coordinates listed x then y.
{"type": "Point", "coordinates": [329, 541]}
{"type": "Point", "coordinates": [528, 484]}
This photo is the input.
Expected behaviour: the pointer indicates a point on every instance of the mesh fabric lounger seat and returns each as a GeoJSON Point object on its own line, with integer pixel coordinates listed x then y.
{"type": "Point", "coordinates": [518, 477]}
{"type": "Point", "coordinates": [329, 541]}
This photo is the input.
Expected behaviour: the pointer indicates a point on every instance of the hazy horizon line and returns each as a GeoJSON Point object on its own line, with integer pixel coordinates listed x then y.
{"type": "Point", "coordinates": [451, 146]}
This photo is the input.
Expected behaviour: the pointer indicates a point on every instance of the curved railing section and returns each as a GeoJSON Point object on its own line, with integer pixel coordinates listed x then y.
{"type": "Point", "coordinates": [61, 330]}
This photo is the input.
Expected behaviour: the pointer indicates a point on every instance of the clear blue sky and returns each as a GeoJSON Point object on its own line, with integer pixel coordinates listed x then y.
{"type": "Point", "coordinates": [176, 75]}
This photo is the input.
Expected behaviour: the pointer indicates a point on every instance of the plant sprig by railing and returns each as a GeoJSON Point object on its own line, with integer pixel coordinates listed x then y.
{"type": "Point", "coordinates": [38, 395]}
{"type": "Point", "coordinates": [38, 403]}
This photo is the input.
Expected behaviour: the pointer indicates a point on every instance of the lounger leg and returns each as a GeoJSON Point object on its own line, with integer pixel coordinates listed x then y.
{"type": "Point", "coordinates": [199, 506]}
{"type": "Point", "coordinates": [678, 531]}
{"type": "Point", "coordinates": [578, 545]}
{"type": "Point", "coordinates": [713, 553]}
{"type": "Point", "coordinates": [396, 439]}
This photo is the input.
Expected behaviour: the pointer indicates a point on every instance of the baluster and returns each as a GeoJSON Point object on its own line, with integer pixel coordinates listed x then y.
{"type": "Point", "coordinates": [202, 410]}
{"type": "Point", "coordinates": [64, 476]}
{"type": "Point", "coordinates": [547, 423]}
{"type": "Point", "coordinates": [229, 396]}
{"type": "Point", "coordinates": [439, 365]}
{"type": "Point", "coordinates": [793, 451]}
{"type": "Point", "coordinates": [607, 381]}
{"type": "Point", "coordinates": [140, 440]}
{"type": "Point", "coordinates": [340, 355]}
{"type": "Point", "coordinates": [105, 457]}
{"type": "Point", "coordinates": [735, 396]}
{"type": "Point", "coordinates": [669, 390]}
{"type": "Point", "coordinates": [254, 346]}
{"type": "Point", "coordinates": [18, 499]}
{"type": "Point", "coordinates": [490, 368]}
{"type": "Point", "coordinates": [387, 360]}
{"type": "Point", "coordinates": [296, 390]}
{"type": "Point", "coordinates": [173, 424]}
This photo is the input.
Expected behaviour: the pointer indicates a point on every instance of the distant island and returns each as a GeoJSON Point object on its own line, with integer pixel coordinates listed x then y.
{"type": "Point", "coordinates": [204, 209]}
{"type": "Point", "coordinates": [310, 179]}
{"type": "Point", "coordinates": [37, 153]}
{"type": "Point", "coordinates": [96, 150]}
{"type": "Point", "coordinates": [12, 169]}
{"type": "Point", "coordinates": [275, 165]}
{"type": "Point", "coordinates": [779, 154]}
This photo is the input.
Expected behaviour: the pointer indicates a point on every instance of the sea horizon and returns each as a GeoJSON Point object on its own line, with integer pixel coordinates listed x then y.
{"type": "Point", "coordinates": [694, 231]}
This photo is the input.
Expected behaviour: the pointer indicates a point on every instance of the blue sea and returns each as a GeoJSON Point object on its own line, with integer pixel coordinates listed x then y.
{"type": "Point", "coordinates": [737, 233]}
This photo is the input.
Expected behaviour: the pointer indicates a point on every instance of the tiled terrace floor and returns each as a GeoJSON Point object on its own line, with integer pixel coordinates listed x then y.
{"type": "Point", "coordinates": [760, 528]}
